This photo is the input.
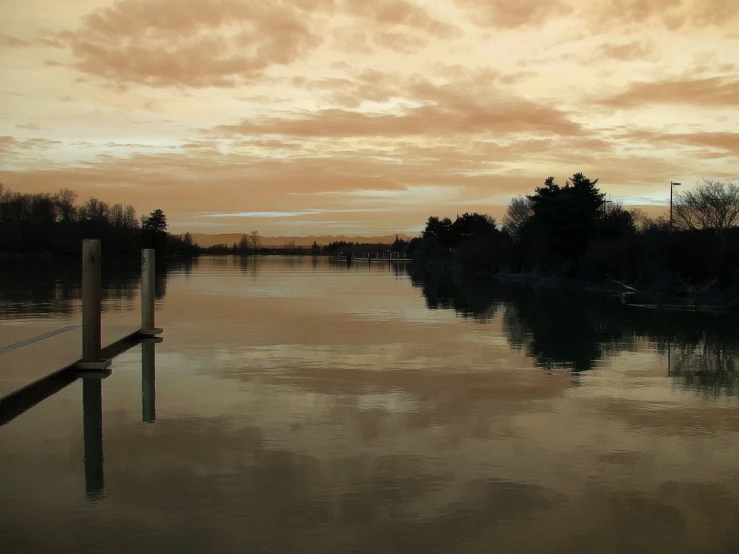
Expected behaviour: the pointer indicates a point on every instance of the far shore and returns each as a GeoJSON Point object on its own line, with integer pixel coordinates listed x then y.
{"type": "Point", "coordinates": [651, 297]}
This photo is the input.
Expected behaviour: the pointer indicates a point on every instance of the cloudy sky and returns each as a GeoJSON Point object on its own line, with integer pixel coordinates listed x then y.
{"type": "Point", "coordinates": [302, 117]}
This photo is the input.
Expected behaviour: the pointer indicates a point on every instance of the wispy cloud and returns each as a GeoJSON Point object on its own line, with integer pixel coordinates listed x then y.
{"type": "Point", "coordinates": [415, 194]}
{"type": "Point", "coordinates": [270, 215]}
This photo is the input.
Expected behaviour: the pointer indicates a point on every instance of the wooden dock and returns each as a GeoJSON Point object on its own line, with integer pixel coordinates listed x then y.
{"type": "Point", "coordinates": [45, 350]}
{"type": "Point", "coordinates": [40, 358]}
{"type": "Point", "coordinates": [36, 359]}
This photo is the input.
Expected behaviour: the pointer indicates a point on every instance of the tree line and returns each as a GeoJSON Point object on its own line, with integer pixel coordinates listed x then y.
{"type": "Point", "coordinates": [55, 223]}
{"type": "Point", "coordinates": [571, 231]}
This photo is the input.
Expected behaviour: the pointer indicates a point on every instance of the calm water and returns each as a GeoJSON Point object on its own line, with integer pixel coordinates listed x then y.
{"type": "Point", "coordinates": [300, 406]}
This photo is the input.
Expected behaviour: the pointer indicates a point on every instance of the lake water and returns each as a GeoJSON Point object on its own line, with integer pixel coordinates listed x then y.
{"type": "Point", "coordinates": [303, 406]}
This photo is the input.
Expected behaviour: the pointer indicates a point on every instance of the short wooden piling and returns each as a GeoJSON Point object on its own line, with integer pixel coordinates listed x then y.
{"type": "Point", "coordinates": [147, 293]}
{"type": "Point", "coordinates": [91, 307]}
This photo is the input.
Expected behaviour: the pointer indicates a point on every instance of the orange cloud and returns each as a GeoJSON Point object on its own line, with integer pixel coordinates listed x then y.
{"type": "Point", "coordinates": [7, 41]}
{"type": "Point", "coordinates": [504, 117]}
{"type": "Point", "coordinates": [10, 144]}
{"type": "Point", "coordinates": [725, 142]}
{"type": "Point", "coordinates": [672, 14]}
{"type": "Point", "coordinates": [627, 51]}
{"type": "Point", "coordinates": [223, 42]}
{"type": "Point", "coordinates": [469, 106]}
{"type": "Point", "coordinates": [400, 13]}
{"type": "Point", "coordinates": [169, 42]}
{"type": "Point", "coordinates": [720, 92]}
{"type": "Point", "coordinates": [507, 14]}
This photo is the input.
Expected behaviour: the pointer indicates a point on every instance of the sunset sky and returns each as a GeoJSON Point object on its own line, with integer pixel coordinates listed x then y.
{"type": "Point", "coordinates": [301, 117]}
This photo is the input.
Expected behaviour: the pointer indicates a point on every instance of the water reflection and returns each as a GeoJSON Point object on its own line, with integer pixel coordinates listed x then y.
{"type": "Point", "coordinates": [317, 409]}
{"type": "Point", "coordinates": [148, 380]}
{"type": "Point", "coordinates": [38, 287]}
{"type": "Point", "coordinates": [92, 425]}
{"type": "Point", "coordinates": [576, 330]}
{"type": "Point", "coordinates": [706, 364]}
{"type": "Point", "coordinates": [92, 416]}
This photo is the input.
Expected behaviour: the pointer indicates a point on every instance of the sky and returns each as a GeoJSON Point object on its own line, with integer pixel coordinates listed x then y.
{"type": "Point", "coordinates": [309, 117]}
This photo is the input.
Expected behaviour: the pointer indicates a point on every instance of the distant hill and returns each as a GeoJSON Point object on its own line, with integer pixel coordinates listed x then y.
{"type": "Point", "coordinates": [206, 240]}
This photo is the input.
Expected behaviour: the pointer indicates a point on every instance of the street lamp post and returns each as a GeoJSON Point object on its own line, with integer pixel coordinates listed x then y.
{"type": "Point", "coordinates": [672, 185]}
{"type": "Point", "coordinates": [604, 206]}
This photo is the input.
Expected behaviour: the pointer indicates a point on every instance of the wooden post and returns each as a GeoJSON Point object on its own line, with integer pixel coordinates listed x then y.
{"type": "Point", "coordinates": [91, 300]}
{"type": "Point", "coordinates": [91, 307]}
{"type": "Point", "coordinates": [147, 293]}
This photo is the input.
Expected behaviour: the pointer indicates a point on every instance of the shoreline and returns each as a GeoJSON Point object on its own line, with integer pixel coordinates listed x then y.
{"type": "Point", "coordinates": [726, 301]}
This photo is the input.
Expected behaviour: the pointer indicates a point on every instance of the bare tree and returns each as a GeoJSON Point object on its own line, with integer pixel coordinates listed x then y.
{"type": "Point", "coordinates": [129, 217]}
{"type": "Point", "coordinates": [254, 239]}
{"type": "Point", "coordinates": [94, 210]}
{"type": "Point", "coordinates": [115, 216]}
{"type": "Point", "coordinates": [65, 200]}
{"type": "Point", "coordinates": [713, 205]}
{"type": "Point", "coordinates": [519, 212]}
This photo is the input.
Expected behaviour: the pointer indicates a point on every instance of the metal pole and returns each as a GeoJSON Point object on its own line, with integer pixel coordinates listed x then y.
{"type": "Point", "coordinates": [91, 300]}
{"type": "Point", "coordinates": [670, 206]}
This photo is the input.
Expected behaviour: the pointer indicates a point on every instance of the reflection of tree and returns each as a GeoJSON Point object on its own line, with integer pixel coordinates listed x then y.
{"type": "Point", "coordinates": [468, 295]}
{"type": "Point", "coordinates": [706, 365]}
{"type": "Point", "coordinates": [574, 330]}
{"type": "Point", "coordinates": [35, 286]}
{"type": "Point", "coordinates": [558, 330]}
{"type": "Point", "coordinates": [31, 286]}
{"type": "Point", "coordinates": [400, 270]}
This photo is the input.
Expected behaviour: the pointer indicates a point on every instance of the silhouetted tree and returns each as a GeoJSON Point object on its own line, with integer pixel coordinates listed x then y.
{"type": "Point", "coordinates": [571, 214]}
{"type": "Point", "coordinates": [154, 229]}
{"type": "Point", "coordinates": [520, 210]}
{"type": "Point", "coordinates": [243, 247]}
{"type": "Point", "coordinates": [441, 229]}
{"type": "Point", "coordinates": [399, 245]}
{"type": "Point", "coordinates": [713, 205]}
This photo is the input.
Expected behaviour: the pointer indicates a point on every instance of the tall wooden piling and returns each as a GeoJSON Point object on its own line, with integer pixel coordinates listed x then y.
{"type": "Point", "coordinates": [91, 307]}
{"type": "Point", "coordinates": [147, 292]}
{"type": "Point", "coordinates": [91, 300]}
